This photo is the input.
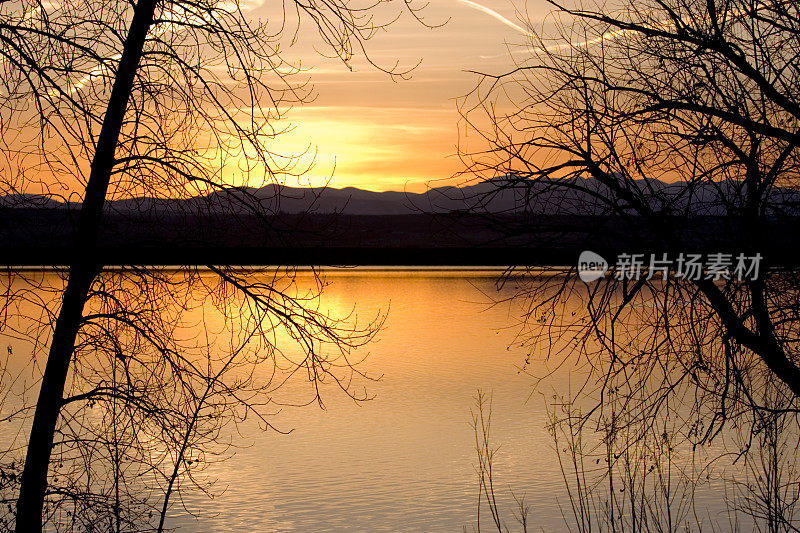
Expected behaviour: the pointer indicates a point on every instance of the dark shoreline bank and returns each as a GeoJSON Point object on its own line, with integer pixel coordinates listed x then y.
{"type": "Point", "coordinates": [20, 257]}
{"type": "Point", "coordinates": [44, 237]}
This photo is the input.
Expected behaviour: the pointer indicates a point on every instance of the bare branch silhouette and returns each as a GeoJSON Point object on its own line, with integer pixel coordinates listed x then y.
{"type": "Point", "coordinates": [104, 101]}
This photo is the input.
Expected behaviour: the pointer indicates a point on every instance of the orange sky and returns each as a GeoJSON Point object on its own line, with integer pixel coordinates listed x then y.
{"type": "Point", "coordinates": [387, 135]}
{"type": "Point", "coordinates": [363, 128]}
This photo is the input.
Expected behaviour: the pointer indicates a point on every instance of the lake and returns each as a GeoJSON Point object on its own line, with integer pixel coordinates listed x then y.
{"type": "Point", "coordinates": [404, 460]}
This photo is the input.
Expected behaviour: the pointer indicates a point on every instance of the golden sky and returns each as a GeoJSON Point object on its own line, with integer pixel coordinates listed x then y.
{"type": "Point", "coordinates": [368, 131]}
{"type": "Point", "coordinates": [362, 128]}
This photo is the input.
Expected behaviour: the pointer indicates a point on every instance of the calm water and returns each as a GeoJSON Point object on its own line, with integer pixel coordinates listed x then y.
{"type": "Point", "coordinates": [403, 461]}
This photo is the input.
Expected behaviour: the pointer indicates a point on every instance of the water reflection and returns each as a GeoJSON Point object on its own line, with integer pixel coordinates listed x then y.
{"type": "Point", "coordinates": [402, 461]}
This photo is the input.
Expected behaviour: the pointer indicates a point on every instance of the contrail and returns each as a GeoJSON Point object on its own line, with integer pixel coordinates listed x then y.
{"type": "Point", "coordinates": [663, 24]}
{"type": "Point", "coordinates": [608, 36]}
{"type": "Point", "coordinates": [496, 15]}
{"type": "Point", "coordinates": [247, 6]}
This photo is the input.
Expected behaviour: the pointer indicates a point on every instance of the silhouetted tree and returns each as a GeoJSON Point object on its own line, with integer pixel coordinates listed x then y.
{"type": "Point", "coordinates": [108, 100]}
{"type": "Point", "coordinates": [654, 114]}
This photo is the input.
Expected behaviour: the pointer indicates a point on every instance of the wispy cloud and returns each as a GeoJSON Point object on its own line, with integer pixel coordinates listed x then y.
{"type": "Point", "coordinates": [176, 13]}
{"type": "Point", "coordinates": [494, 14]}
{"type": "Point", "coordinates": [666, 24]}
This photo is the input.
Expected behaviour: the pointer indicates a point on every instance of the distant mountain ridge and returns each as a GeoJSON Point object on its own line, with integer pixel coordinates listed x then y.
{"type": "Point", "coordinates": [531, 223]}
{"type": "Point", "coordinates": [500, 195]}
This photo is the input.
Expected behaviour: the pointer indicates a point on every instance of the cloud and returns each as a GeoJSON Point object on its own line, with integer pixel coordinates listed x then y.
{"type": "Point", "coordinates": [494, 14]}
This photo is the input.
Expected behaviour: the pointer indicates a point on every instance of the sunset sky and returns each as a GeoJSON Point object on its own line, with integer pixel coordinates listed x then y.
{"type": "Point", "coordinates": [398, 135]}
{"type": "Point", "coordinates": [362, 128]}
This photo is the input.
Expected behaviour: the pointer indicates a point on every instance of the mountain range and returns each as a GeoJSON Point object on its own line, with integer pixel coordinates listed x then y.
{"type": "Point", "coordinates": [531, 223]}
{"type": "Point", "coordinates": [500, 195]}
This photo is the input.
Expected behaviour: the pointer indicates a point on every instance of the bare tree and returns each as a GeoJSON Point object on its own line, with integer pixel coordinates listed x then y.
{"type": "Point", "coordinates": [107, 100]}
{"type": "Point", "coordinates": [656, 114]}
{"type": "Point", "coordinates": [699, 94]}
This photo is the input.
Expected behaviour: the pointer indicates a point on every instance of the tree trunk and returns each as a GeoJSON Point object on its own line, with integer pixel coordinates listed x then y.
{"type": "Point", "coordinates": [84, 269]}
